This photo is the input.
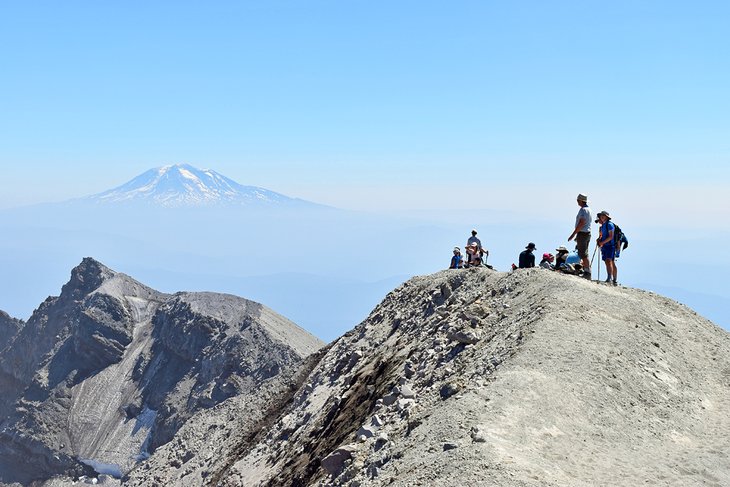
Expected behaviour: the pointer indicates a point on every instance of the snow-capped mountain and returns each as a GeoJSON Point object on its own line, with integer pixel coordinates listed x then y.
{"type": "Point", "coordinates": [182, 185]}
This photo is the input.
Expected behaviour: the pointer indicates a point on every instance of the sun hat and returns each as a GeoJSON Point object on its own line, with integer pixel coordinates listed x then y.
{"type": "Point", "coordinates": [457, 249]}
{"type": "Point", "coordinates": [582, 197]}
{"type": "Point", "coordinates": [605, 213]}
{"type": "Point", "coordinates": [531, 246]}
{"type": "Point", "coordinates": [562, 249]}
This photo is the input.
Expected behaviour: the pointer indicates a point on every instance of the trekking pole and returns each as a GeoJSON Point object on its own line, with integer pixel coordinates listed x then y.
{"type": "Point", "coordinates": [599, 266]}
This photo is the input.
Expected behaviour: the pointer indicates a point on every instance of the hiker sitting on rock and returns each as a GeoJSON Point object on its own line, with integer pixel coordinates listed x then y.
{"type": "Point", "coordinates": [483, 253]}
{"type": "Point", "coordinates": [474, 256]}
{"type": "Point", "coordinates": [547, 261]}
{"type": "Point", "coordinates": [527, 258]}
{"type": "Point", "coordinates": [457, 261]}
{"type": "Point", "coordinates": [561, 257]}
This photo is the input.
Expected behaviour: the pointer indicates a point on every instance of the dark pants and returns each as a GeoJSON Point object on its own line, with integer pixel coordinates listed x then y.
{"type": "Point", "coordinates": [582, 240]}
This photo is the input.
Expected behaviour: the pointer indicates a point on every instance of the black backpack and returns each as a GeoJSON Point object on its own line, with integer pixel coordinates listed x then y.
{"type": "Point", "coordinates": [618, 235]}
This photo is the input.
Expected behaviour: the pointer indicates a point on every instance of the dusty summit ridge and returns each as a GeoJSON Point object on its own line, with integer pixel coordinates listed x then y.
{"type": "Point", "coordinates": [527, 378]}
{"type": "Point", "coordinates": [109, 370]}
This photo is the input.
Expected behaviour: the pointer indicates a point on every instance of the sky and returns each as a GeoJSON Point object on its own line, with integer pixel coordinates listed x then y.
{"type": "Point", "coordinates": [376, 105]}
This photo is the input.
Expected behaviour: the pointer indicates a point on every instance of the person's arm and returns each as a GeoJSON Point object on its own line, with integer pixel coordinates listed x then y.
{"type": "Point", "coordinates": [578, 226]}
{"type": "Point", "coordinates": [603, 242]}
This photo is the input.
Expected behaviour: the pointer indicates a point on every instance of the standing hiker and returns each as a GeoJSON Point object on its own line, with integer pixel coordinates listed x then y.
{"type": "Point", "coordinates": [608, 248]}
{"type": "Point", "coordinates": [474, 239]}
{"type": "Point", "coordinates": [582, 233]}
{"type": "Point", "coordinates": [527, 258]}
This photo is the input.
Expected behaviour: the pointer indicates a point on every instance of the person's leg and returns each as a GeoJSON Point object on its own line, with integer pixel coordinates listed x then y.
{"type": "Point", "coordinates": [615, 271]}
{"type": "Point", "coordinates": [583, 241]}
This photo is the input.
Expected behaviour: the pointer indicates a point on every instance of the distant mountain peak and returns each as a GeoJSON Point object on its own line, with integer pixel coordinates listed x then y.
{"type": "Point", "coordinates": [183, 185]}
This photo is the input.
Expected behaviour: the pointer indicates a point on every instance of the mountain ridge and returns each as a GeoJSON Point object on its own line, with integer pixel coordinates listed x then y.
{"type": "Point", "coordinates": [518, 379]}
{"type": "Point", "coordinates": [475, 377]}
{"type": "Point", "coordinates": [110, 369]}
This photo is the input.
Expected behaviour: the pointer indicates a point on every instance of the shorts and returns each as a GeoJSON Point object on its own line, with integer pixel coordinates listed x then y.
{"type": "Point", "coordinates": [582, 240]}
{"type": "Point", "coordinates": [608, 252]}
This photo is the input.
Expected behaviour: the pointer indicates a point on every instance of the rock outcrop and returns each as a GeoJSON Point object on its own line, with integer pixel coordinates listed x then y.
{"type": "Point", "coordinates": [9, 327]}
{"type": "Point", "coordinates": [528, 378]}
{"type": "Point", "coordinates": [110, 370]}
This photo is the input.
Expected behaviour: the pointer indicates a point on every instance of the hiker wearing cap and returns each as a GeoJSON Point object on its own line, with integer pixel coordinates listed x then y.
{"type": "Point", "coordinates": [608, 248]}
{"type": "Point", "coordinates": [547, 260]}
{"type": "Point", "coordinates": [473, 255]}
{"type": "Point", "coordinates": [527, 258]}
{"type": "Point", "coordinates": [582, 233]}
{"type": "Point", "coordinates": [475, 240]}
{"type": "Point", "coordinates": [457, 261]}
{"type": "Point", "coordinates": [561, 257]}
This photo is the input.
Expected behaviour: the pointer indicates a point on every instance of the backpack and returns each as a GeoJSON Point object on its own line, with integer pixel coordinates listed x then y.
{"type": "Point", "coordinates": [618, 236]}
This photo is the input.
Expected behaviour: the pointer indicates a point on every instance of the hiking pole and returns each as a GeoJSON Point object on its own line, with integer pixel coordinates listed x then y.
{"type": "Point", "coordinates": [599, 265]}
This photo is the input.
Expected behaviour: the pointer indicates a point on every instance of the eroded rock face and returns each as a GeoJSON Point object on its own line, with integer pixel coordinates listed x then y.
{"type": "Point", "coordinates": [482, 378]}
{"type": "Point", "coordinates": [9, 327]}
{"type": "Point", "coordinates": [109, 370]}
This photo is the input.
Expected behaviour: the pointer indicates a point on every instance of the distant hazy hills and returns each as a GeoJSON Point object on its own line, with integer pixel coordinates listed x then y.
{"type": "Point", "coordinates": [182, 185]}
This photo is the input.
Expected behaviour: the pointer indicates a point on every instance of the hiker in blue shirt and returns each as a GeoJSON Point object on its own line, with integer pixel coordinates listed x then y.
{"type": "Point", "coordinates": [605, 242]}
{"type": "Point", "coordinates": [457, 262]}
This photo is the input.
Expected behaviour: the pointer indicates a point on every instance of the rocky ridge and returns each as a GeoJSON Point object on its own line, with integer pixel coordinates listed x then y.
{"type": "Point", "coordinates": [528, 378]}
{"type": "Point", "coordinates": [110, 370]}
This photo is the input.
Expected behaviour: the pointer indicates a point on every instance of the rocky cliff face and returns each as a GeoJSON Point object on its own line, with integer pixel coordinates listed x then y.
{"type": "Point", "coordinates": [9, 327]}
{"type": "Point", "coordinates": [483, 378]}
{"type": "Point", "coordinates": [111, 369]}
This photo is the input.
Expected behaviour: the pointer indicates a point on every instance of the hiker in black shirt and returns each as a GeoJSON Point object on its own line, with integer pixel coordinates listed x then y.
{"type": "Point", "coordinates": [527, 258]}
{"type": "Point", "coordinates": [561, 257]}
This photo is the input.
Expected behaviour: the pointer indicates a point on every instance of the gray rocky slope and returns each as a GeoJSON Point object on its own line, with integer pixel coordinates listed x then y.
{"type": "Point", "coordinates": [474, 377]}
{"type": "Point", "coordinates": [110, 370]}
{"type": "Point", "coordinates": [8, 328]}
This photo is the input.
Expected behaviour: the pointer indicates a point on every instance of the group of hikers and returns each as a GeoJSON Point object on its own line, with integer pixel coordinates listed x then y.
{"type": "Point", "coordinates": [611, 240]}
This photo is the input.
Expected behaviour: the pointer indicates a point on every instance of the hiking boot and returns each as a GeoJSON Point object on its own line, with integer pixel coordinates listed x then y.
{"type": "Point", "coordinates": [587, 275]}
{"type": "Point", "coordinates": [614, 282]}
{"type": "Point", "coordinates": [608, 279]}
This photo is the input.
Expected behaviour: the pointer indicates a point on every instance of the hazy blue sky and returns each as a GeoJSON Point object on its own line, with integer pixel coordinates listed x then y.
{"type": "Point", "coordinates": [371, 104]}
